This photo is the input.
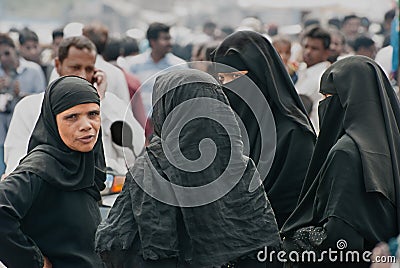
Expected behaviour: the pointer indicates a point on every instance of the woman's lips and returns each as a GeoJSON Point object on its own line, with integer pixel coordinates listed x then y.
{"type": "Point", "coordinates": [87, 138]}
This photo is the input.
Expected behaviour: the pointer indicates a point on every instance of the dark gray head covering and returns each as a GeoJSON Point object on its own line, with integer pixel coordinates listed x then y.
{"type": "Point", "coordinates": [191, 224]}
{"type": "Point", "coordinates": [247, 50]}
{"type": "Point", "coordinates": [48, 156]}
{"type": "Point", "coordinates": [364, 107]}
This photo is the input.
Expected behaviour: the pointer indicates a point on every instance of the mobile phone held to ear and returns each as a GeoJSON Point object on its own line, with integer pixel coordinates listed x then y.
{"type": "Point", "coordinates": [94, 79]}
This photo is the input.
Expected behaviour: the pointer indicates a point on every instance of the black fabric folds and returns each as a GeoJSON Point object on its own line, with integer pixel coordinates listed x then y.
{"type": "Point", "coordinates": [295, 136]}
{"type": "Point", "coordinates": [187, 226]}
{"type": "Point", "coordinates": [354, 172]}
{"type": "Point", "coordinates": [48, 156]}
{"type": "Point", "coordinates": [250, 49]}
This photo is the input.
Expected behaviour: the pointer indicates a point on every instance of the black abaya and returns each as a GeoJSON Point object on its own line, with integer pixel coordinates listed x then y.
{"type": "Point", "coordinates": [351, 188]}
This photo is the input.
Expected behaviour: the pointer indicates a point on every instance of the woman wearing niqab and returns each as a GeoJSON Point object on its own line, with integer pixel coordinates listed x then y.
{"type": "Point", "coordinates": [350, 196]}
{"type": "Point", "coordinates": [295, 136]}
{"type": "Point", "coordinates": [49, 205]}
{"type": "Point", "coordinates": [191, 228]}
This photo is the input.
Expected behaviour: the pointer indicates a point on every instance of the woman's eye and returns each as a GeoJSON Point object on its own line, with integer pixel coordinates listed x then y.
{"type": "Point", "coordinates": [94, 114]}
{"type": "Point", "coordinates": [71, 117]}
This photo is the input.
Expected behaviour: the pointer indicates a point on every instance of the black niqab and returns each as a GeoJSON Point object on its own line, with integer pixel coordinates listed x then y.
{"type": "Point", "coordinates": [48, 156]}
{"type": "Point", "coordinates": [364, 107]}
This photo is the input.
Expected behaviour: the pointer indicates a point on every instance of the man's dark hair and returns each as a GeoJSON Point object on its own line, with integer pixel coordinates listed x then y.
{"type": "Point", "coordinates": [334, 22]}
{"type": "Point", "coordinates": [98, 34]}
{"type": "Point", "coordinates": [390, 14]}
{"type": "Point", "coordinates": [209, 25]}
{"type": "Point", "coordinates": [129, 46]}
{"type": "Point", "coordinates": [311, 22]}
{"type": "Point", "coordinates": [5, 39]}
{"type": "Point", "coordinates": [349, 17]}
{"type": "Point", "coordinates": [227, 30]}
{"type": "Point", "coordinates": [155, 29]}
{"type": "Point", "coordinates": [112, 50]}
{"type": "Point", "coordinates": [80, 42]}
{"type": "Point", "coordinates": [26, 35]}
{"type": "Point", "coordinates": [362, 41]}
{"type": "Point", "coordinates": [59, 32]}
{"type": "Point", "coordinates": [318, 33]}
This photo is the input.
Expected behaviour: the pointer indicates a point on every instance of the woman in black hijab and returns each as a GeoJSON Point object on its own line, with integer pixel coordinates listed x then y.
{"type": "Point", "coordinates": [178, 208]}
{"type": "Point", "coordinates": [351, 189]}
{"type": "Point", "coordinates": [253, 55]}
{"type": "Point", "coordinates": [49, 205]}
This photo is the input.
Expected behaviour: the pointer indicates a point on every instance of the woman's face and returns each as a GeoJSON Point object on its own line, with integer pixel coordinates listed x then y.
{"type": "Point", "coordinates": [79, 126]}
{"type": "Point", "coordinates": [225, 78]}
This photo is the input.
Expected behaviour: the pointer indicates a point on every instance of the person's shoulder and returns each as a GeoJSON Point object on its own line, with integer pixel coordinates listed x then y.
{"type": "Point", "coordinates": [33, 98]}
{"type": "Point", "coordinates": [319, 67]}
{"type": "Point", "coordinates": [138, 59]}
{"type": "Point", "coordinates": [174, 59]}
{"type": "Point", "coordinates": [26, 64]}
{"type": "Point", "coordinates": [346, 149]}
{"type": "Point", "coordinates": [107, 67]}
{"type": "Point", "coordinates": [111, 98]}
{"type": "Point", "coordinates": [20, 175]}
{"type": "Point", "coordinates": [30, 101]}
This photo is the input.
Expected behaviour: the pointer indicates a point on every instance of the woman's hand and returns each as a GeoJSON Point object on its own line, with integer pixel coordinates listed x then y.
{"type": "Point", "coordinates": [47, 263]}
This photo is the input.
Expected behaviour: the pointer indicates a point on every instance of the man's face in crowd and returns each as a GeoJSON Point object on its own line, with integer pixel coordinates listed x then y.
{"type": "Point", "coordinates": [162, 44]}
{"type": "Point", "coordinates": [8, 57]}
{"type": "Point", "coordinates": [30, 50]}
{"type": "Point", "coordinates": [337, 46]}
{"type": "Point", "coordinates": [56, 44]}
{"type": "Point", "coordinates": [314, 51]}
{"type": "Point", "coordinates": [284, 51]}
{"type": "Point", "coordinates": [351, 27]}
{"type": "Point", "coordinates": [369, 52]}
{"type": "Point", "coordinates": [79, 62]}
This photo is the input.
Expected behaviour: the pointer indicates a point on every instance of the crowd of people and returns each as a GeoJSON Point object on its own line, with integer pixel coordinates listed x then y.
{"type": "Point", "coordinates": [241, 142]}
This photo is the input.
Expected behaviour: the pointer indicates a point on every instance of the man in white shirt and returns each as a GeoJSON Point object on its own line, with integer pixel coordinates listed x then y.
{"type": "Point", "coordinates": [316, 42]}
{"type": "Point", "coordinates": [76, 56]}
{"type": "Point", "coordinates": [154, 60]}
{"type": "Point", "coordinates": [116, 83]}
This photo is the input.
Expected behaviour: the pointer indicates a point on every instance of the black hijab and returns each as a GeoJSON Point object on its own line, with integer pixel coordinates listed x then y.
{"type": "Point", "coordinates": [364, 106]}
{"type": "Point", "coordinates": [49, 157]}
{"type": "Point", "coordinates": [214, 218]}
{"type": "Point", "coordinates": [294, 134]}
{"type": "Point", "coordinates": [247, 50]}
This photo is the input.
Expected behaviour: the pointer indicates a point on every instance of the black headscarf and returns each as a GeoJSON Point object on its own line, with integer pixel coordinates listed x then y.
{"type": "Point", "coordinates": [49, 157]}
{"type": "Point", "coordinates": [194, 225]}
{"type": "Point", "coordinates": [364, 107]}
{"type": "Point", "coordinates": [246, 50]}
